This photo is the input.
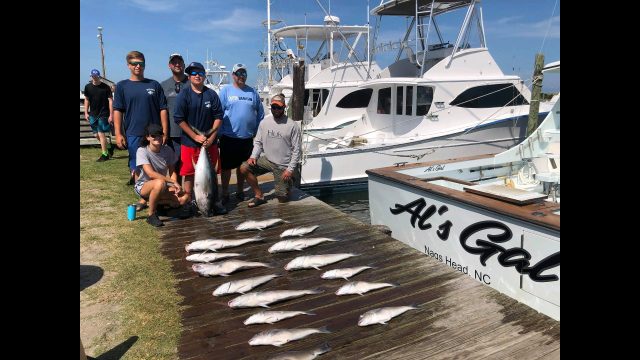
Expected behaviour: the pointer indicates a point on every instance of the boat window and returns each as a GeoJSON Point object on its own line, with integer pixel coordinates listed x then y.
{"type": "Point", "coordinates": [384, 101]}
{"type": "Point", "coordinates": [357, 99]}
{"type": "Point", "coordinates": [488, 96]}
{"type": "Point", "coordinates": [408, 108]}
{"type": "Point", "coordinates": [318, 97]}
{"type": "Point", "coordinates": [423, 100]}
{"type": "Point", "coordinates": [399, 100]}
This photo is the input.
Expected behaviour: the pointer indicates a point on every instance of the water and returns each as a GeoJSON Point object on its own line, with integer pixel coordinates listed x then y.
{"type": "Point", "coordinates": [352, 201]}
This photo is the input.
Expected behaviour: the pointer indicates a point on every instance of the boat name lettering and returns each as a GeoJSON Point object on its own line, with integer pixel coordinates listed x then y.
{"type": "Point", "coordinates": [447, 260]}
{"type": "Point", "coordinates": [436, 167]}
{"type": "Point", "coordinates": [415, 208]}
{"type": "Point", "coordinates": [516, 257]}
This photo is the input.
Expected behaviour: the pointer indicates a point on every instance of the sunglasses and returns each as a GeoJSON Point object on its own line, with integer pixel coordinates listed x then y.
{"type": "Point", "coordinates": [277, 107]}
{"type": "Point", "coordinates": [194, 73]}
{"type": "Point", "coordinates": [178, 87]}
{"type": "Point", "coordinates": [241, 73]}
{"type": "Point", "coordinates": [136, 63]}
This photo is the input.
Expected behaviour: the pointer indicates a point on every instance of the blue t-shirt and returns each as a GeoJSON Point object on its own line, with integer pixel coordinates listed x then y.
{"type": "Point", "coordinates": [198, 110]}
{"type": "Point", "coordinates": [141, 102]}
{"type": "Point", "coordinates": [242, 112]}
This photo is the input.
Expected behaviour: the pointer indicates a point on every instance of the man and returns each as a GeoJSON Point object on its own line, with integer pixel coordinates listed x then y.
{"type": "Point", "coordinates": [98, 111]}
{"type": "Point", "coordinates": [243, 112]}
{"type": "Point", "coordinates": [198, 107]}
{"type": "Point", "coordinates": [142, 102]}
{"type": "Point", "coordinates": [172, 87]}
{"type": "Point", "coordinates": [279, 138]}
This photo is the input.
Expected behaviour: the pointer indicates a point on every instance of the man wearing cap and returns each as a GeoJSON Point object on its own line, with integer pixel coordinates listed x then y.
{"type": "Point", "coordinates": [278, 139]}
{"type": "Point", "coordinates": [198, 107]}
{"type": "Point", "coordinates": [98, 111]}
{"type": "Point", "coordinates": [243, 112]}
{"type": "Point", "coordinates": [142, 102]}
{"type": "Point", "coordinates": [172, 87]}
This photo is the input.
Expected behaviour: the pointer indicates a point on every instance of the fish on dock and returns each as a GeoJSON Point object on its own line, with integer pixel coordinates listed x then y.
{"type": "Point", "coordinates": [242, 286]}
{"type": "Point", "coordinates": [217, 244]}
{"type": "Point", "coordinates": [297, 244]}
{"type": "Point", "coordinates": [279, 337]}
{"type": "Point", "coordinates": [303, 354]}
{"type": "Point", "coordinates": [270, 317]}
{"type": "Point", "coordinates": [299, 231]}
{"type": "Point", "coordinates": [226, 267]}
{"type": "Point", "coordinates": [361, 287]}
{"type": "Point", "coordinates": [206, 257]}
{"type": "Point", "coordinates": [344, 273]}
{"type": "Point", "coordinates": [382, 315]}
{"type": "Point", "coordinates": [316, 261]}
{"type": "Point", "coordinates": [258, 225]}
{"type": "Point", "coordinates": [265, 298]}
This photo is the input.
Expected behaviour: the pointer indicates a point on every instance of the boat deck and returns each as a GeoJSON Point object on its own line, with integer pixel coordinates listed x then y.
{"type": "Point", "coordinates": [458, 317]}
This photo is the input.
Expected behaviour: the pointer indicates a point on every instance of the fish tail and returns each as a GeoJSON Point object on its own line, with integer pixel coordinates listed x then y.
{"type": "Point", "coordinates": [317, 291]}
{"type": "Point", "coordinates": [323, 349]}
{"type": "Point", "coordinates": [308, 313]}
{"type": "Point", "coordinates": [324, 330]}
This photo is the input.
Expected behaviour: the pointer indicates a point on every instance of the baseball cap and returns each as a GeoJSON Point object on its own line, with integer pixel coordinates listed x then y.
{"type": "Point", "coordinates": [174, 55]}
{"type": "Point", "coordinates": [194, 66]}
{"type": "Point", "coordinates": [239, 66]}
{"type": "Point", "coordinates": [278, 99]}
{"type": "Point", "coordinates": [154, 129]}
{"type": "Point", "coordinates": [95, 72]}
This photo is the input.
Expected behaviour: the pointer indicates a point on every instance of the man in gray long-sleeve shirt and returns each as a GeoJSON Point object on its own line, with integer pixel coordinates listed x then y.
{"type": "Point", "coordinates": [279, 139]}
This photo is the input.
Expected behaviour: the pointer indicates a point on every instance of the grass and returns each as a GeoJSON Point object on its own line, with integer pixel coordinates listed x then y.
{"type": "Point", "coordinates": [137, 282]}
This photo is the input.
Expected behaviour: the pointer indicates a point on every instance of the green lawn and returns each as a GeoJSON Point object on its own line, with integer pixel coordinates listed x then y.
{"type": "Point", "coordinates": [137, 291]}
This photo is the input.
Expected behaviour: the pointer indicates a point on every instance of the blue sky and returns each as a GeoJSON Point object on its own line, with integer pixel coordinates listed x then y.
{"type": "Point", "coordinates": [232, 32]}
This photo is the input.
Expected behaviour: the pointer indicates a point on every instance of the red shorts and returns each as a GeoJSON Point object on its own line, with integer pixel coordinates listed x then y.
{"type": "Point", "coordinates": [188, 153]}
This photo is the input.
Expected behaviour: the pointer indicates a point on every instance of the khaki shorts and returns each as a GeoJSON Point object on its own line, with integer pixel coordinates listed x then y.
{"type": "Point", "coordinates": [263, 166]}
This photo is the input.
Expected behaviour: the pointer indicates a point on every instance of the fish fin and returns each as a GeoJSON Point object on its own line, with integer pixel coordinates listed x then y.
{"type": "Point", "coordinates": [361, 294]}
{"type": "Point", "coordinates": [383, 322]}
{"type": "Point", "coordinates": [265, 306]}
{"type": "Point", "coordinates": [395, 284]}
{"type": "Point", "coordinates": [308, 313]}
{"type": "Point", "coordinates": [209, 132]}
{"type": "Point", "coordinates": [346, 278]}
{"type": "Point", "coordinates": [196, 130]}
{"type": "Point", "coordinates": [317, 268]}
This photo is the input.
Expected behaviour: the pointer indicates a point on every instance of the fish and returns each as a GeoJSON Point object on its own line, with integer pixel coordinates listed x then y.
{"type": "Point", "coordinates": [382, 315]}
{"type": "Point", "coordinates": [210, 257]}
{"type": "Point", "coordinates": [279, 337]}
{"type": "Point", "coordinates": [258, 225]}
{"type": "Point", "coordinates": [299, 231]}
{"type": "Point", "coordinates": [361, 287]}
{"type": "Point", "coordinates": [217, 244]}
{"type": "Point", "coordinates": [304, 354]}
{"type": "Point", "coordinates": [297, 245]}
{"type": "Point", "coordinates": [344, 273]}
{"type": "Point", "coordinates": [205, 183]}
{"type": "Point", "coordinates": [270, 317]}
{"type": "Point", "coordinates": [226, 267]}
{"type": "Point", "coordinates": [242, 286]}
{"type": "Point", "coordinates": [315, 261]}
{"type": "Point", "coordinates": [265, 298]}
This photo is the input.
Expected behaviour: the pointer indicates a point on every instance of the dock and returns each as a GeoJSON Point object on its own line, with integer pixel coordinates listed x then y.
{"type": "Point", "coordinates": [458, 317]}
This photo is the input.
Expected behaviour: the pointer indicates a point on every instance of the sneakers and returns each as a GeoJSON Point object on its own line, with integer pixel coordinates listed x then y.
{"type": "Point", "coordinates": [153, 220]}
{"type": "Point", "coordinates": [225, 199]}
{"type": "Point", "coordinates": [240, 196]}
{"type": "Point", "coordinates": [111, 149]}
{"type": "Point", "coordinates": [102, 158]}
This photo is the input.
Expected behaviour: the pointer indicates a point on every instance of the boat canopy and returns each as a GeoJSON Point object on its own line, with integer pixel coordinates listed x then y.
{"type": "Point", "coordinates": [317, 32]}
{"type": "Point", "coordinates": [408, 7]}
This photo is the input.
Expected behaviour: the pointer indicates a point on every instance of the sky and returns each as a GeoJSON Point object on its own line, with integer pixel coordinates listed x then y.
{"type": "Point", "coordinates": [231, 31]}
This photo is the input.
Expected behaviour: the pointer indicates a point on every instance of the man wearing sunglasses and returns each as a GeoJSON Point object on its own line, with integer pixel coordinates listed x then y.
{"type": "Point", "coordinates": [172, 87]}
{"type": "Point", "coordinates": [198, 107]}
{"type": "Point", "coordinates": [243, 112]}
{"type": "Point", "coordinates": [140, 101]}
{"type": "Point", "coordinates": [279, 138]}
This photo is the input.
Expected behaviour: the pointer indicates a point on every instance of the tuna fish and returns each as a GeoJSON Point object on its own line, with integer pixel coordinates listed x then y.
{"type": "Point", "coordinates": [382, 315]}
{"type": "Point", "coordinates": [270, 317]}
{"type": "Point", "coordinates": [242, 286]}
{"type": "Point", "coordinates": [225, 268]}
{"type": "Point", "coordinates": [265, 298]}
{"type": "Point", "coordinates": [361, 287]}
{"type": "Point", "coordinates": [302, 355]}
{"type": "Point", "coordinates": [205, 185]}
{"type": "Point", "coordinates": [217, 244]}
{"type": "Point", "coordinates": [315, 261]}
{"type": "Point", "coordinates": [210, 257]}
{"type": "Point", "coordinates": [258, 225]}
{"type": "Point", "coordinates": [299, 231]}
{"type": "Point", "coordinates": [344, 273]}
{"type": "Point", "coordinates": [297, 245]}
{"type": "Point", "coordinates": [279, 337]}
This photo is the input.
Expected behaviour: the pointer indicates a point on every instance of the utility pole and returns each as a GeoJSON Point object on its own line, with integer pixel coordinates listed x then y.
{"type": "Point", "coordinates": [536, 89]}
{"type": "Point", "coordinates": [104, 71]}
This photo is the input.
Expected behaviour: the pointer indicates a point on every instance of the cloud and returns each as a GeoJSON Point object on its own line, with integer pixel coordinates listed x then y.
{"type": "Point", "coordinates": [156, 5]}
{"type": "Point", "coordinates": [239, 20]}
{"type": "Point", "coordinates": [508, 27]}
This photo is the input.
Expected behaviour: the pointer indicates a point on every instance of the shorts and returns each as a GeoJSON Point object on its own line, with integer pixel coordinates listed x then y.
{"type": "Point", "coordinates": [174, 143]}
{"type": "Point", "coordinates": [189, 153]}
{"type": "Point", "coordinates": [263, 166]}
{"type": "Point", "coordinates": [99, 124]}
{"type": "Point", "coordinates": [234, 151]}
{"type": "Point", "coordinates": [133, 143]}
{"type": "Point", "coordinates": [137, 187]}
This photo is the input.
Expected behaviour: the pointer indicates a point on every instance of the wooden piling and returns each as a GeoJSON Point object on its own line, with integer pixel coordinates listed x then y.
{"type": "Point", "coordinates": [536, 90]}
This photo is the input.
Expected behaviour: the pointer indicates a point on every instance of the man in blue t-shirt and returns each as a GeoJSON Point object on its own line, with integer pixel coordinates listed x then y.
{"type": "Point", "coordinates": [142, 102]}
{"type": "Point", "coordinates": [243, 112]}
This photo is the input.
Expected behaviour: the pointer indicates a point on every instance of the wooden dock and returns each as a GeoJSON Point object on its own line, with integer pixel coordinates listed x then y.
{"type": "Point", "coordinates": [458, 317]}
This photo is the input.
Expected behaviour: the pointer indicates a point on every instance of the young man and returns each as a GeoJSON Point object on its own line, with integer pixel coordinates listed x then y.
{"type": "Point", "coordinates": [142, 102]}
{"type": "Point", "coordinates": [279, 138]}
{"type": "Point", "coordinates": [172, 87]}
{"type": "Point", "coordinates": [98, 111]}
{"type": "Point", "coordinates": [198, 107]}
{"type": "Point", "coordinates": [243, 113]}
